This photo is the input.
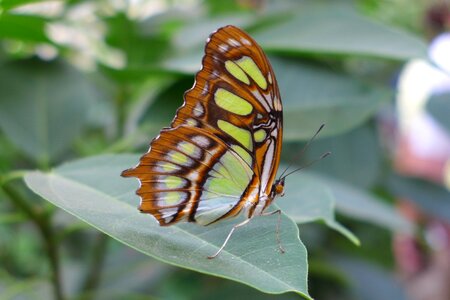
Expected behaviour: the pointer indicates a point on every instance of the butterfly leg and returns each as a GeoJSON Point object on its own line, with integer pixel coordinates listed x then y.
{"type": "Point", "coordinates": [228, 237]}
{"type": "Point", "coordinates": [278, 211]}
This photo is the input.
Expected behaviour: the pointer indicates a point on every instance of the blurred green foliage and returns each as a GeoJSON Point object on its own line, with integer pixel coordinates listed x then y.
{"type": "Point", "coordinates": [80, 79]}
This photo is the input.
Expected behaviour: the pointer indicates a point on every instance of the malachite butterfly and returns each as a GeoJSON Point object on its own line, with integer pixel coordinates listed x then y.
{"type": "Point", "coordinates": [220, 155]}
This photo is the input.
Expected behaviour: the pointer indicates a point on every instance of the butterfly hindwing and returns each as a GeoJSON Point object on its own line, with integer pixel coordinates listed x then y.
{"type": "Point", "coordinates": [222, 150]}
{"type": "Point", "coordinates": [189, 173]}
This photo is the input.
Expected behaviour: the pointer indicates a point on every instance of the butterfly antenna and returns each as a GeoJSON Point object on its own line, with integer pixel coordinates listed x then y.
{"type": "Point", "coordinates": [297, 157]}
{"type": "Point", "coordinates": [307, 165]}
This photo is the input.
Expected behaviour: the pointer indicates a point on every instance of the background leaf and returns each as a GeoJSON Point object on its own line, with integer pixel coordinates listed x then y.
{"type": "Point", "coordinates": [44, 106]}
{"type": "Point", "coordinates": [314, 95]}
{"type": "Point", "coordinates": [370, 281]}
{"type": "Point", "coordinates": [337, 29]}
{"type": "Point", "coordinates": [359, 204]}
{"type": "Point", "coordinates": [432, 198]}
{"type": "Point", "coordinates": [356, 156]}
{"type": "Point", "coordinates": [12, 288]}
{"type": "Point", "coordinates": [23, 27]}
{"type": "Point", "coordinates": [192, 36]}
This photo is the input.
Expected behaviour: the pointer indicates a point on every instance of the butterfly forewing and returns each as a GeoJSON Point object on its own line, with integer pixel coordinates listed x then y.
{"type": "Point", "coordinates": [222, 150]}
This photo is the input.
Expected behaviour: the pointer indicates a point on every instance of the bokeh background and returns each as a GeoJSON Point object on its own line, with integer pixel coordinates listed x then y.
{"type": "Point", "coordinates": [84, 78]}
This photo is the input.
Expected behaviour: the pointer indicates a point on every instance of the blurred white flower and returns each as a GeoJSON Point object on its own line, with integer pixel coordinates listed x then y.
{"type": "Point", "coordinates": [84, 32]}
{"type": "Point", "coordinates": [419, 80]}
{"type": "Point", "coordinates": [143, 9]}
{"type": "Point", "coordinates": [42, 8]}
{"type": "Point", "coordinates": [439, 51]}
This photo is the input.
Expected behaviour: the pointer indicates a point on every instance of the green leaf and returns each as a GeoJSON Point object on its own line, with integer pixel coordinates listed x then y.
{"type": "Point", "coordinates": [432, 198]}
{"type": "Point", "coordinates": [162, 110]}
{"type": "Point", "coordinates": [313, 95]}
{"type": "Point", "coordinates": [355, 158]}
{"type": "Point", "coordinates": [226, 7]}
{"type": "Point", "coordinates": [439, 108]}
{"type": "Point", "coordinates": [133, 75]}
{"type": "Point", "coordinates": [307, 199]}
{"type": "Point", "coordinates": [9, 4]}
{"type": "Point", "coordinates": [337, 29]}
{"type": "Point", "coordinates": [118, 261]}
{"type": "Point", "coordinates": [43, 106]}
{"type": "Point", "coordinates": [151, 108]}
{"type": "Point", "coordinates": [23, 27]}
{"type": "Point", "coordinates": [358, 204]}
{"type": "Point", "coordinates": [143, 43]}
{"type": "Point", "coordinates": [24, 288]}
{"type": "Point", "coordinates": [92, 190]}
{"type": "Point", "coordinates": [195, 34]}
{"type": "Point", "coordinates": [8, 155]}
{"type": "Point", "coordinates": [369, 281]}
{"type": "Point", "coordinates": [188, 63]}
{"type": "Point", "coordinates": [11, 218]}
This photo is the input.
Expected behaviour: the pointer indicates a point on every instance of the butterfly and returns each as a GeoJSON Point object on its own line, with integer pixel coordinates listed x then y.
{"type": "Point", "coordinates": [220, 155]}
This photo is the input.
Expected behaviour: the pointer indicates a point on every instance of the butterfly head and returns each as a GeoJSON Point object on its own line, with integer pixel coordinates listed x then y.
{"type": "Point", "coordinates": [278, 187]}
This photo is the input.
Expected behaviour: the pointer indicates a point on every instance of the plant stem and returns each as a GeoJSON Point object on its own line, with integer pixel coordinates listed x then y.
{"type": "Point", "coordinates": [43, 223]}
{"type": "Point", "coordinates": [92, 279]}
{"type": "Point", "coordinates": [53, 255]}
{"type": "Point", "coordinates": [120, 99]}
{"type": "Point", "coordinates": [17, 174]}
